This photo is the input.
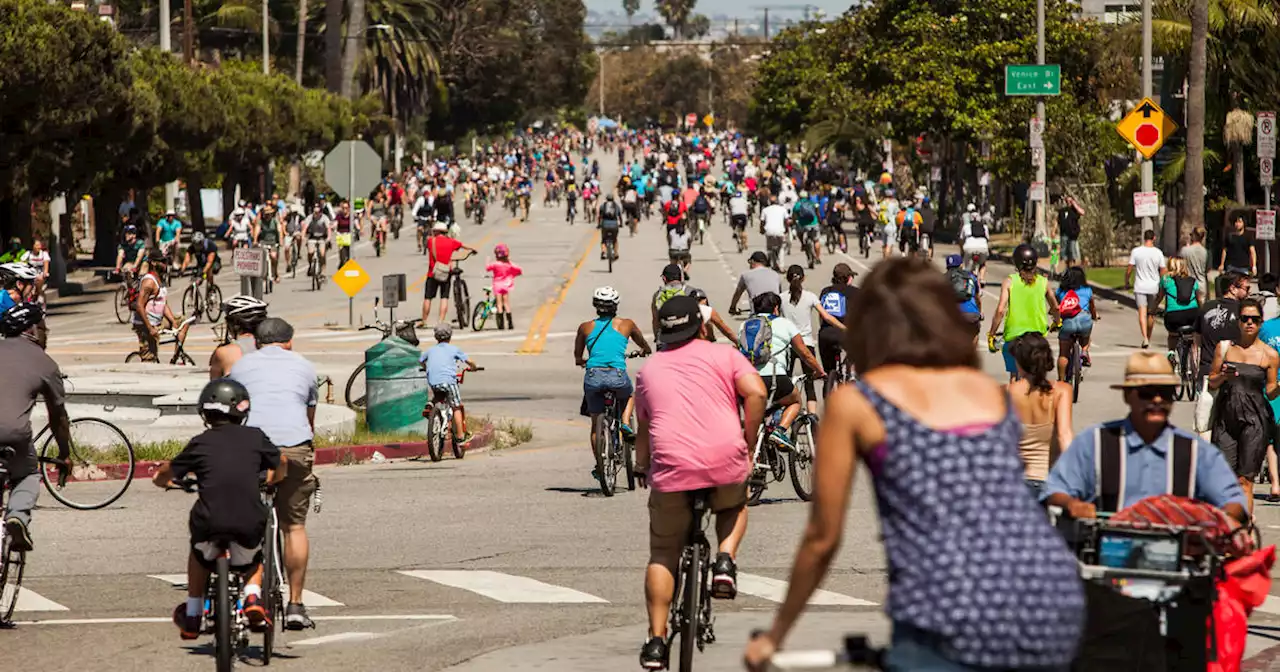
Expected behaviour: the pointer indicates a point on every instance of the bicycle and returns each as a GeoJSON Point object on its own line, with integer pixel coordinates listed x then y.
{"type": "Point", "coordinates": [12, 562]}
{"type": "Point", "coordinates": [480, 314]}
{"type": "Point", "coordinates": [1075, 368]}
{"type": "Point", "coordinates": [1186, 365]}
{"type": "Point", "coordinates": [607, 428]}
{"type": "Point", "coordinates": [79, 481]}
{"type": "Point", "coordinates": [700, 228]}
{"type": "Point", "coordinates": [403, 329]}
{"type": "Point", "coordinates": [768, 462]}
{"type": "Point", "coordinates": [167, 337]}
{"type": "Point", "coordinates": [295, 250]}
{"type": "Point", "coordinates": [126, 295]}
{"type": "Point", "coordinates": [200, 297]}
{"type": "Point", "coordinates": [478, 211]}
{"type": "Point", "coordinates": [857, 652]}
{"type": "Point", "coordinates": [315, 267]}
{"type": "Point", "coordinates": [461, 293]}
{"type": "Point", "coordinates": [808, 236]}
{"type": "Point", "coordinates": [832, 239]}
{"type": "Point", "coordinates": [439, 415]}
{"type": "Point", "coordinates": [690, 617]}
{"type": "Point", "coordinates": [572, 212]}
{"type": "Point", "coordinates": [379, 237]}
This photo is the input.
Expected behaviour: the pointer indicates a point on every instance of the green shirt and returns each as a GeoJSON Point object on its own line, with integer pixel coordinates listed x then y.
{"type": "Point", "coordinates": [1171, 295]}
{"type": "Point", "coordinates": [1028, 310]}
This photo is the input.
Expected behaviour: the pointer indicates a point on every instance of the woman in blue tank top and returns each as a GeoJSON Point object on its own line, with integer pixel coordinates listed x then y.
{"type": "Point", "coordinates": [601, 347]}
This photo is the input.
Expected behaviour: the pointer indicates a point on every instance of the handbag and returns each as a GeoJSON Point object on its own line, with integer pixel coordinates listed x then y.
{"type": "Point", "coordinates": [439, 270]}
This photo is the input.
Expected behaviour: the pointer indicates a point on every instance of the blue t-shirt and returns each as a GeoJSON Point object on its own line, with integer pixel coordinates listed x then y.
{"type": "Point", "coordinates": [971, 306]}
{"type": "Point", "coordinates": [168, 228]}
{"type": "Point", "coordinates": [1085, 294]}
{"type": "Point", "coordinates": [1270, 334]}
{"type": "Point", "coordinates": [6, 301]}
{"type": "Point", "coordinates": [442, 364]}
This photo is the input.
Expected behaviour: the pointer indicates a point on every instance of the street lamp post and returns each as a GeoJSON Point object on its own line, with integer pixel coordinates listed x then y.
{"type": "Point", "coordinates": [1041, 205]}
{"type": "Point", "coordinates": [1148, 169]}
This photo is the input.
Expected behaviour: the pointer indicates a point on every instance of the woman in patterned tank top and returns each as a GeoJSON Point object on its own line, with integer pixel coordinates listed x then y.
{"type": "Point", "coordinates": [978, 580]}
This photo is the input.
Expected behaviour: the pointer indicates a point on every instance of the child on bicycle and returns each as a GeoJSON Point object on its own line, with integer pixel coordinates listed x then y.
{"type": "Point", "coordinates": [227, 460]}
{"type": "Point", "coordinates": [504, 280]}
{"type": "Point", "coordinates": [441, 363]}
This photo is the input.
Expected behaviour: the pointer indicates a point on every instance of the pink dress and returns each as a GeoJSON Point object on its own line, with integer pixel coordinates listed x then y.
{"type": "Point", "coordinates": [504, 276]}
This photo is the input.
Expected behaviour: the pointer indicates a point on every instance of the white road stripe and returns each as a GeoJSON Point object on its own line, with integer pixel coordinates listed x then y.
{"type": "Point", "coordinates": [336, 637]}
{"type": "Point", "coordinates": [29, 600]}
{"type": "Point", "coordinates": [775, 590]}
{"type": "Point", "coordinates": [158, 619]}
{"type": "Point", "coordinates": [505, 587]}
{"type": "Point", "coordinates": [308, 598]}
{"type": "Point", "coordinates": [1270, 606]}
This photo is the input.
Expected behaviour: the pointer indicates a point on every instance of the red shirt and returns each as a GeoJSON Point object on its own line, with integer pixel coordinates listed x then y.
{"type": "Point", "coordinates": [673, 220]}
{"type": "Point", "coordinates": [441, 249]}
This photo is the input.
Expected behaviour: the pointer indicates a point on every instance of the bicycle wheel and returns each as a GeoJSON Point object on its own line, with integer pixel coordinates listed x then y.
{"type": "Point", "coordinates": [605, 471]}
{"type": "Point", "coordinates": [213, 303]}
{"type": "Point", "coordinates": [182, 359]}
{"type": "Point", "coordinates": [224, 648]}
{"type": "Point", "coordinates": [270, 587]}
{"type": "Point", "coordinates": [692, 603]}
{"type": "Point", "coordinates": [462, 298]}
{"type": "Point", "coordinates": [479, 316]}
{"type": "Point", "coordinates": [628, 463]}
{"type": "Point", "coordinates": [756, 487]}
{"type": "Point", "coordinates": [609, 254]}
{"type": "Point", "coordinates": [122, 304]}
{"type": "Point", "coordinates": [12, 565]}
{"type": "Point", "coordinates": [355, 393]}
{"type": "Point", "coordinates": [1077, 372]}
{"type": "Point", "coordinates": [95, 443]}
{"type": "Point", "coordinates": [190, 304]}
{"type": "Point", "coordinates": [804, 433]}
{"type": "Point", "coordinates": [435, 435]}
{"type": "Point", "coordinates": [132, 357]}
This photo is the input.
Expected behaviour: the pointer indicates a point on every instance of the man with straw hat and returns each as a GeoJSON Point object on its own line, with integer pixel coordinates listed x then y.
{"type": "Point", "coordinates": [1115, 464]}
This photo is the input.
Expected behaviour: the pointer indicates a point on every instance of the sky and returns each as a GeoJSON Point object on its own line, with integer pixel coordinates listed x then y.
{"type": "Point", "coordinates": [735, 8]}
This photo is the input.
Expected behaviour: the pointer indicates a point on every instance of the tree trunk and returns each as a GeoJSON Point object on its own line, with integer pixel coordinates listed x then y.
{"type": "Point", "coordinates": [1237, 167]}
{"type": "Point", "coordinates": [302, 40]}
{"type": "Point", "coordinates": [195, 206]}
{"type": "Point", "coordinates": [1194, 172]}
{"type": "Point", "coordinates": [106, 226]}
{"type": "Point", "coordinates": [333, 45]}
{"type": "Point", "coordinates": [353, 49]}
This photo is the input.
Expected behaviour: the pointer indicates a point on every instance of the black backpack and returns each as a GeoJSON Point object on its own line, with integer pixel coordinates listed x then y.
{"type": "Point", "coordinates": [1185, 290]}
{"type": "Point", "coordinates": [962, 283]}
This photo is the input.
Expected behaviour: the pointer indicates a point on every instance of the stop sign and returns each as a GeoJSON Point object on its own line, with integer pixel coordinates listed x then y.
{"type": "Point", "coordinates": [1147, 134]}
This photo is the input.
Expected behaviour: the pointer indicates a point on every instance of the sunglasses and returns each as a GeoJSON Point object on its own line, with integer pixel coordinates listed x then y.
{"type": "Point", "coordinates": [1251, 319]}
{"type": "Point", "coordinates": [1152, 392]}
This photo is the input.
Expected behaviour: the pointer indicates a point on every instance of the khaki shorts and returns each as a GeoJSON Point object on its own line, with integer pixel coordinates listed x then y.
{"type": "Point", "coordinates": [293, 494]}
{"type": "Point", "coordinates": [148, 345]}
{"type": "Point", "coordinates": [671, 514]}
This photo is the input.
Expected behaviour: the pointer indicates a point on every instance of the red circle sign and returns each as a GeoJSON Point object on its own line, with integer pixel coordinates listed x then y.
{"type": "Point", "coordinates": [1147, 135]}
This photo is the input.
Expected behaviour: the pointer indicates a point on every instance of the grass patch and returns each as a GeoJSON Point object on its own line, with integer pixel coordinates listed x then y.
{"type": "Point", "coordinates": [507, 433]}
{"type": "Point", "coordinates": [150, 451]}
{"type": "Point", "coordinates": [366, 437]}
{"type": "Point", "coordinates": [1111, 277]}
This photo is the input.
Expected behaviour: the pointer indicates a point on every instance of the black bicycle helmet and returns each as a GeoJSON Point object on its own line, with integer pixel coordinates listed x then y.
{"type": "Point", "coordinates": [224, 399]}
{"type": "Point", "coordinates": [18, 319]}
{"type": "Point", "coordinates": [1025, 257]}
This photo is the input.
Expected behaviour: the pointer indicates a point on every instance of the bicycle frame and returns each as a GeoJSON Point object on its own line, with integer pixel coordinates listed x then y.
{"type": "Point", "coordinates": [10, 561]}
{"type": "Point", "coordinates": [692, 581]}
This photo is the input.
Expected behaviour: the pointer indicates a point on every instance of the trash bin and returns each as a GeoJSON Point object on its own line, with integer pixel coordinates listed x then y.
{"type": "Point", "coordinates": [396, 387]}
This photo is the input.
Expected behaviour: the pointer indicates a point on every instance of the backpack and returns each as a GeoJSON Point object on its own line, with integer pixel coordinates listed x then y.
{"type": "Point", "coordinates": [1185, 290]}
{"type": "Point", "coordinates": [806, 214]}
{"type": "Point", "coordinates": [667, 293]}
{"type": "Point", "coordinates": [700, 205]}
{"type": "Point", "coordinates": [673, 208]}
{"type": "Point", "coordinates": [755, 340]}
{"type": "Point", "coordinates": [1069, 306]}
{"type": "Point", "coordinates": [834, 303]}
{"type": "Point", "coordinates": [630, 196]}
{"type": "Point", "coordinates": [961, 283]}
{"type": "Point", "coordinates": [609, 210]}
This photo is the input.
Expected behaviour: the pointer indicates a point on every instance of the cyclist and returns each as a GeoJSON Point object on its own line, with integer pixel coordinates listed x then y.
{"type": "Point", "coordinates": [631, 198]}
{"type": "Point", "coordinates": [30, 374]}
{"type": "Point", "coordinates": [204, 252]}
{"type": "Point", "coordinates": [601, 348]}
{"type": "Point", "coordinates": [690, 438]}
{"type": "Point", "coordinates": [674, 211]}
{"type": "Point", "coordinates": [130, 251]}
{"type": "Point", "coordinates": [243, 314]}
{"type": "Point", "coordinates": [673, 284]}
{"type": "Point", "coordinates": [908, 221]}
{"type": "Point", "coordinates": [702, 209]}
{"type": "Point", "coordinates": [293, 231]}
{"type": "Point", "coordinates": [835, 219]}
{"type": "Point", "coordinates": [756, 280]}
{"type": "Point", "coordinates": [226, 460]}
{"type": "Point", "coordinates": [168, 234]}
{"type": "Point", "coordinates": [344, 226]}
{"type": "Point", "coordinates": [317, 228]}
{"type": "Point", "coordinates": [268, 231]}
{"type": "Point", "coordinates": [151, 309]}
{"type": "Point", "coordinates": [1023, 299]}
{"type": "Point", "coordinates": [775, 224]}
{"type": "Point", "coordinates": [738, 215]}
{"type": "Point", "coordinates": [609, 223]}
{"type": "Point", "coordinates": [441, 363]}
{"type": "Point", "coordinates": [240, 226]}
{"type": "Point", "coordinates": [974, 245]}
{"type": "Point", "coordinates": [772, 358]}
{"type": "Point", "coordinates": [805, 215]}
{"type": "Point", "coordinates": [968, 296]}
{"type": "Point", "coordinates": [19, 282]}
{"type": "Point", "coordinates": [571, 199]}
{"type": "Point", "coordinates": [835, 300]}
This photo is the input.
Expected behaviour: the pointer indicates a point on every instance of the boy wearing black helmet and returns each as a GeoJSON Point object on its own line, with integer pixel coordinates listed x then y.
{"type": "Point", "coordinates": [227, 460]}
{"type": "Point", "coordinates": [1027, 301]}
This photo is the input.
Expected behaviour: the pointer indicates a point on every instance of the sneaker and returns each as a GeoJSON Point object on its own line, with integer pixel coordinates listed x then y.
{"type": "Point", "coordinates": [653, 655]}
{"type": "Point", "coordinates": [1086, 359]}
{"type": "Point", "coordinates": [724, 578]}
{"type": "Point", "coordinates": [295, 617]}
{"type": "Point", "coordinates": [782, 440]}
{"type": "Point", "coordinates": [628, 434]}
{"type": "Point", "coordinates": [1173, 359]}
{"type": "Point", "coordinates": [188, 626]}
{"type": "Point", "coordinates": [19, 534]}
{"type": "Point", "coordinates": [254, 610]}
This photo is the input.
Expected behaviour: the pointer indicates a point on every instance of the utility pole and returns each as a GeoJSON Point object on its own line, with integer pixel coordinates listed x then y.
{"type": "Point", "coordinates": [1041, 205]}
{"type": "Point", "coordinates": [166, 45]}
{"type": "Point", "coordinates": [1148, 169]}
{"type": "Point", "coordinates": [188, 36]}
{"type": "Point", "coordinates": [602, 82]}
{"type": "Point", "coordinates": [766, 24]}
{"type": "Point", "coordinates": [266, 39]}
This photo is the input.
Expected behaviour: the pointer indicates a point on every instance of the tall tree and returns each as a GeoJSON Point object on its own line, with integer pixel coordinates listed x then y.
{"type": "Point", "coordinates": [354, 47]}
{"type": "Point", "coordinates": [302, 40]}
{"type": "Point", "coordinates": [630, 7]}
{"type": "Point", "coordinates": [676, 13]}
{"type": "Point", "coordinates": [333, 45]}
{"type": "Point", "coordinates": [1193, 191]}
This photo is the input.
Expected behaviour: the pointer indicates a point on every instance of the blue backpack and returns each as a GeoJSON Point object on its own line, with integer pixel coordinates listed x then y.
{"type": "Point", "coordinates": [755, 340]}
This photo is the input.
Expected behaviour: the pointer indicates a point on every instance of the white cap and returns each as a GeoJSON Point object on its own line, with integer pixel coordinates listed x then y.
{"type": "Point", "coordinates": [440, 226]}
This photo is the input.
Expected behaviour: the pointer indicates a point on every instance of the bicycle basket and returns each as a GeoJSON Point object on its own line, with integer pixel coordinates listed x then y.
{"type": "Point", "coordinates": [407, 333]}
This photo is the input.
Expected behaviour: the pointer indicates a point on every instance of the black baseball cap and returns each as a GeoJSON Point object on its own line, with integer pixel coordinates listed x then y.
{"type": "Point", "coordinates": [672, 273]}
{"type": "Point", "coordinates": [678, 320]}
{"type": "Point", "coordinates": [758, 257]}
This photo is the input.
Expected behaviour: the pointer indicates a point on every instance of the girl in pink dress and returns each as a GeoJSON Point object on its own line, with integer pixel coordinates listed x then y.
{"type": "Point", "coordinates": [504, 279]}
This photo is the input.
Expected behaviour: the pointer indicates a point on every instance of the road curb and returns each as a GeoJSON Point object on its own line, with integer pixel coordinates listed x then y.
{"type": "Point", "coordinates": [480, 442]}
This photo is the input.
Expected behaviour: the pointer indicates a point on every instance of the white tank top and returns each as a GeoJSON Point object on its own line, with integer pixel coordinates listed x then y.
{"type": "Point", "coordinates": [156, 304]}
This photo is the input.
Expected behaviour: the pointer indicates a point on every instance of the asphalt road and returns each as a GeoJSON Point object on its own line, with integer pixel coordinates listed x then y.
{"type": "Point", "coordinates": [503, 561]}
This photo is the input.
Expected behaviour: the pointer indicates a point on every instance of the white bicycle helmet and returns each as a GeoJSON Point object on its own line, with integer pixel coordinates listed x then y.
{"type": "Point", "coordinates": [20, 271]}
{"type": "Point", "coordinates": [244, 308]}
{"type": "Point", "coordinates": [605, 298]}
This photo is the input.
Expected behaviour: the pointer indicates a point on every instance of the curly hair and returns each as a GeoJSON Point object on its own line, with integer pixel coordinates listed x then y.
{"type": "Point", "coordinates": [1035, 358]}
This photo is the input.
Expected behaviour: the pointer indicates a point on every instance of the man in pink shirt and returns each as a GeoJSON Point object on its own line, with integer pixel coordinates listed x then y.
{"type": "Point", "coordinates": [689, 439]}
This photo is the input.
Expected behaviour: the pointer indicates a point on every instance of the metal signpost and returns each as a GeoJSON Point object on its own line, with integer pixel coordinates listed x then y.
{"type": "Point", "coordinates": [393, 292]}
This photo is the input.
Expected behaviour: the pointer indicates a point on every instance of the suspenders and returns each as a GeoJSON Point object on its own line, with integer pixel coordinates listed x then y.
{"type": "Point", "coordinates": [1110, 467]}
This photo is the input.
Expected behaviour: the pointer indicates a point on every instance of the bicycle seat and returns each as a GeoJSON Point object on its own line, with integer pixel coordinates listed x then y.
{"type": "Point", "coordinates": [700, 499]}
{"type": "Point", "coordinates": [1186, 330]}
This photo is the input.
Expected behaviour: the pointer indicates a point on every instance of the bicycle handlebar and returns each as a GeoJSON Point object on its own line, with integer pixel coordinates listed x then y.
{"type": "Point", "coordinates": [185, 485]}
{"type": "Point", "coordinates": [806, 660]}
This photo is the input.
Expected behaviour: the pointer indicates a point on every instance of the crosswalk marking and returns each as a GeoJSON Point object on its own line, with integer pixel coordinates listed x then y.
{"type": "Point", "coordinates": [308, 598]}
{"type": "Point", "coordinates": [776, 591]}
{"type": "Point", "coordinates": [336, 637]}
{"type": "Point", "coordinates": [1271, 605]}
{"type": "Point", "coordinates": [30, 600]}
{"type": "Point", "coordinates": [505, 587]}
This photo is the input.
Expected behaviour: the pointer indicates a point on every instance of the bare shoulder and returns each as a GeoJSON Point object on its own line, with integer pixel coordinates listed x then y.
{"type": "Point", "coordinates": [848, 408]}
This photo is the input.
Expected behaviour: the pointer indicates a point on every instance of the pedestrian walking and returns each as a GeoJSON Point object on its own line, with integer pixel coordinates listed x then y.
{"type": "Point", "coordinates": [1146, 265]}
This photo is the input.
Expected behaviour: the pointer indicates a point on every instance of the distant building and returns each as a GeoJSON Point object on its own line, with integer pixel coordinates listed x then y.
{"type": "Point", "coordinates": [1111, 11]}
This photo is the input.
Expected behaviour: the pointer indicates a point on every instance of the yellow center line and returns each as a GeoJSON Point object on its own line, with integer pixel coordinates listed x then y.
{"type": "Point", "coordinates": [536, 339]}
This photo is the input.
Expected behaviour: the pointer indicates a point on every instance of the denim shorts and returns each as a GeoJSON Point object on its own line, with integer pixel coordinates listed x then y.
{"type": "Point", "coordinates": [599, 380]}
{"type": "Point", "coordinates": [1081, 325]}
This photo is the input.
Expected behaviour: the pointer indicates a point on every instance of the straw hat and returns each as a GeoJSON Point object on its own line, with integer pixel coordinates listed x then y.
{"type": "Point", "coordinates": [1147, 368]}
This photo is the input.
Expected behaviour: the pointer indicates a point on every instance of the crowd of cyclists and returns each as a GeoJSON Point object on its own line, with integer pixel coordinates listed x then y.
{"type": "Point", "coordinates": [903, 391]}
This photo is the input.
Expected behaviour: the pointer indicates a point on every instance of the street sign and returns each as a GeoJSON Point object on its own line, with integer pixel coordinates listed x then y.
{"type": "Point", "coordinates": [249, 262]}
{"type": "Point", "coordinates": [690, 119]}
{"type": "Point", "coordinates": [1146, 128]}
{"type": "Point", "coordinates": [351, 278]}
{"type": "Point", "coordinates": [1032, 80]}
{"type": "Point", "coordinates": [1267, 135]}
{"type": "Point", "coordinates": [1266, 173]}
{"type": "Point", "coordinates": [709, 120]}
{"type": "Point", "coordinates": [393, 291]}
{"type": "Point", "coordinates": [1036, 132]}
{"type": "Point", "coordinates": [1146, 204]}
{"type": "Point", "coordinates": [353, 169]}
{"type": "Point", "coordinates": [1037, 157]}
{"type": "Point", "coordinates": [1036, 193]}
{"type": "Point", "coordinates": [1266, 225]}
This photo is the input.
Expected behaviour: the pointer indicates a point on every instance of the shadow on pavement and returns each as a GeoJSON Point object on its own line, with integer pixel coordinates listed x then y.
{"type": "Point", "coordinates": [585, 492]}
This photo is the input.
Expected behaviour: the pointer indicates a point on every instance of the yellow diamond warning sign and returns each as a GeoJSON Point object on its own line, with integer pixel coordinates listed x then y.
{"type": "Point", "coordinates": [351, 278]}
{"type": "Point", "coordinates": [1146, 127]}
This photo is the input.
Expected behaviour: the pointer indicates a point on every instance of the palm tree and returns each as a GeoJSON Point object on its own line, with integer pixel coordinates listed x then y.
{"type": "Point", "coordinates": [630, 7]}
{"type": "Point", "coordinates": [333, 10]}
{"type": "Point", "coordinates": [1237, 132]}
{"type": "Point", "coordinates": [302, 39]}
{"type": "Point", "coordinates": [356, 18]}
{"type": "Point", "coordinates": [676, 13]}
{"type": "Point", "coordinates": [400, 62]}
{"type": "Point", "coordinates": [1193, 190]}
